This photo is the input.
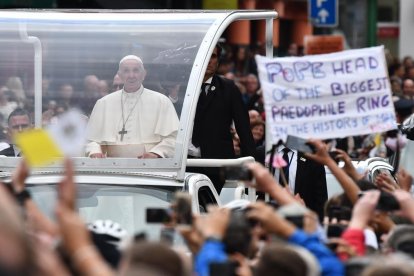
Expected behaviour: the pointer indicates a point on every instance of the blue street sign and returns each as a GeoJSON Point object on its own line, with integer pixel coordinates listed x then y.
{"type": "Point", "coordinates": [323, 13]}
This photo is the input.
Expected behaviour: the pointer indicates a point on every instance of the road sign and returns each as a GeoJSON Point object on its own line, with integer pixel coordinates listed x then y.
{"type": "Point", "coordinates": [323, 13]}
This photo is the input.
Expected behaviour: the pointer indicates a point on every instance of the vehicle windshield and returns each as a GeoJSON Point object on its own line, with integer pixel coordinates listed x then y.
{"type": "Point", "coordinates": [125, 205]}
{"type": "Point", "coordinates": [73, 60]}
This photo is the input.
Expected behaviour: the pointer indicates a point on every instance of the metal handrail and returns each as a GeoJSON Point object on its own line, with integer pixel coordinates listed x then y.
{"type": "Point", "coordinates": [198, 162]}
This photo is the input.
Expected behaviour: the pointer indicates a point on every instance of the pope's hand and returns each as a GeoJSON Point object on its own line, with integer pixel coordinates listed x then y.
{"type": "Point", "coordinates": [97, 155]}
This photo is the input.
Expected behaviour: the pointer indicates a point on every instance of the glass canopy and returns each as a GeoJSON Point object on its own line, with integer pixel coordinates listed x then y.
{"type": "Point", "coordinates": [52, 61]}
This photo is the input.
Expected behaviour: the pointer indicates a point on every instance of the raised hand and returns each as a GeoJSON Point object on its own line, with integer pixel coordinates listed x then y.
{"type": "Point", "coordinates": [364, 209]}
{"type": "Point", "coordinates": [386, 183]}
{"type": "Point", "coordinates": [67, 187]}
{"type": "Point", "coordinates": [406, 203]}
{"type": "Point", "coordinates": [270, 220]}
{"type": "Point", "coordinates": [214, 224]}
{"type": "Point", "coordinates": [265, 182]}
{"type": "Point", "coordinates": [405, 180]}
{"type": "Point", "coordinates": [19, 176]}
{"type": "Point", "coordinates": [348, 166]}
{"type": "Point", "coordinates": [321, 154]}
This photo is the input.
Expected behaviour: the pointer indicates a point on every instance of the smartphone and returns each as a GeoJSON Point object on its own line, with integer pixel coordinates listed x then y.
{"type": "Point", "coordinates": [223, 268]}
{"type": "Point", "coordinates": [182, 208]}
{"type": "Point", "coordinates": [236, 173]}
{"type": "Point", "coordinates": [296, 220]}
{"type": "Point", "coordinates": [158, 215]}
{"type": "Point", "coordinates": [299, 144]}
{"type": "Point", "coordinates": [335, 230]}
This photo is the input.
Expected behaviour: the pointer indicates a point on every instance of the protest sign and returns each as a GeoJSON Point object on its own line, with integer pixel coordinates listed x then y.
{"type": "Point", "coordinates": [327, 96]}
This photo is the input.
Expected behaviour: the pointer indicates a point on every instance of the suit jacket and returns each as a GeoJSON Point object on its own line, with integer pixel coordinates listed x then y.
{"type": "Point", "coordinates": [8, 152]}
{"type": "Point", "coordinates": [214, 116]}
{"type": "Point", "coordinates": [311, 184]}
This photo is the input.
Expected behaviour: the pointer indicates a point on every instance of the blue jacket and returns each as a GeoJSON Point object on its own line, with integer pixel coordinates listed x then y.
{"type": "Point", "coordinates": [211, 252]}
{"type": "Point", "coordinates": [329, 263]}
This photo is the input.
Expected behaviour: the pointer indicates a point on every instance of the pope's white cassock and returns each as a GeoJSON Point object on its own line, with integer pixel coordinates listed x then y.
{"type": "Point", "coordinates": [149, 119]}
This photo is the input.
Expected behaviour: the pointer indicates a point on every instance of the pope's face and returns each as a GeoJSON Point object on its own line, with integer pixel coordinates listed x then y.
{"type": "Point", "coordinates": [132, 74]}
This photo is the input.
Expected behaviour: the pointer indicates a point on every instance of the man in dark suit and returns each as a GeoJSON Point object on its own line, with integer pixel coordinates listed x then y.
{"type": "Point", "coordinates": [219, 105]}
{"type": "Point", "coordinates": [18, 121]}
{"type": "Point", "coordinates": [305, 177]}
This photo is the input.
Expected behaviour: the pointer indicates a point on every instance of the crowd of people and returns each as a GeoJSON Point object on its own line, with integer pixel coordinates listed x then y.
{"type": "Point", "coordinates": [366, 230]}
{"type": "Point", "coordinates": [236, 63]}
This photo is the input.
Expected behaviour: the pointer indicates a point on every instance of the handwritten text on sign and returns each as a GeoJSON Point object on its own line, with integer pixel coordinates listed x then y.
{"type": "Point", "coordinates": [327, 96]}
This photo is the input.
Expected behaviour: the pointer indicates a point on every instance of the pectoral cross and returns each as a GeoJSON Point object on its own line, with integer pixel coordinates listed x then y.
{"type": "Point", "coordinates": [122, 132]}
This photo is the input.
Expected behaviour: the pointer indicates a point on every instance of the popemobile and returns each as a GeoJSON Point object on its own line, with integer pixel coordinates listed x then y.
{"type": "Point", "coordinates": [56, 60]}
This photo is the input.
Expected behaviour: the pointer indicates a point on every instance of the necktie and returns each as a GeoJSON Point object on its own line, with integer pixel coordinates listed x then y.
{"type": "Point", "coordinates": [286, 168]}
{"type": "Point", "coordinates": [204, 89]}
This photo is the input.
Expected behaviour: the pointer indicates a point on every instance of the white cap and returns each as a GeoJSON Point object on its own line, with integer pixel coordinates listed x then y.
{"type": "Point", "coordinates": [108, 227]}
{"type": "Point", "coordinates": [133, 57]}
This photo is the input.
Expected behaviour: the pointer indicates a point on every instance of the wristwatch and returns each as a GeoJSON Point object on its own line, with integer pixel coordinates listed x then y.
{"type": "Point", "coordinates": [22, 196]}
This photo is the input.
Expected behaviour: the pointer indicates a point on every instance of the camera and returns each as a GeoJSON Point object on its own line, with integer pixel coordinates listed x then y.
{"type": "Point", "coordinates": [181, 210]}
{"type": "Point", "coordinates": [158, 215]}
{"type": "Point", "coordinates": [296, 220]}
{"type": "Point", "coordinates": [236, 173]}
{"type": "Point", "coordinates": [227, 268]}
{"type": "Point", "coordinates": [335, 230]}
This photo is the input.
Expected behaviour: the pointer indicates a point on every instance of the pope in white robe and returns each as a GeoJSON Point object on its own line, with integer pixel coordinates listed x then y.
{"type": "Point", "coordinates": [133, 121]}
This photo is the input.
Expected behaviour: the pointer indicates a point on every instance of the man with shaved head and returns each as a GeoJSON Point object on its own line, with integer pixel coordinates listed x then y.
{"type": "Point", "coordinates": [133, 121]}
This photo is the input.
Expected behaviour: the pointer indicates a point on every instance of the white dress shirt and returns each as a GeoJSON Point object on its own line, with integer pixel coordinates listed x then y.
{"type": "Point", "coordinates": [293, 164]}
